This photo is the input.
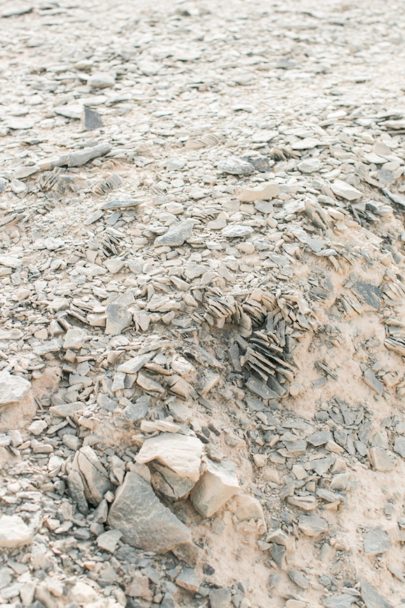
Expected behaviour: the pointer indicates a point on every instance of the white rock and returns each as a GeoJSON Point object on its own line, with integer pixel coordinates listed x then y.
{"type": "Point", "coordinates": [12, 388]}
{"type": "Point", "coordinates": [237, 231]}
{"type": "Point", "coordinates": [180, 453]}
{"type": "Point", "coordinates": [345, 190]}
{"type": "Point", "coordinates": [14, 532]}
{"type": "Point", "coordinates": [218, 484]}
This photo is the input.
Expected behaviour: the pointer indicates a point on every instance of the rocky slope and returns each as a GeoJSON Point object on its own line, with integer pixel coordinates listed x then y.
{"type": "Point", "coordinates": [202, 332]}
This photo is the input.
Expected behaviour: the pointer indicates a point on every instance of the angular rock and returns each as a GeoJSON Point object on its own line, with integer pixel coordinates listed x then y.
{"type": "Point", "coordinates": [313, 525]}
{"type": "Point", "coordinates": [132, 366]}
{"type": "Point", "coordinates": [180, 453]}
{"type": "Point", "coordinates": [217, 485]}
{"type": "Point", "coordinates": [264, 192]}
{"type": "Point", "coordinates": [17, 405]}
{"type": "Point", "coordinates": [236, 231]}
{"type": "Point", "coordinates": [371, 597]}
{"type": "Point", "coordinates": [381, 460]}
{"type": "Point", "coordinates": [14, 532]}
{"type": "Point", "coordinates": [118, 318]}
{"type": "Point", "coordinates": [345, 190]}
{"type": "Point", "coordinates": [91, 119]}
{"type": "Point", "coordinates": [399, 446]}
{"type": "Point", "coordinates": [88, 480]}
{"type": "Point", "coordinates": [144, 522]}
{"type": "Point", "coordinates": [376, 541]}
{"type": "Point", "coordinates": [236, 166]}
{"type": "Point", "coordinates": [177, 234]}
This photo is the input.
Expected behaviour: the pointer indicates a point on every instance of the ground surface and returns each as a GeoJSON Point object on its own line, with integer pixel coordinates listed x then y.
{"type": "Point", "coordinates": [223, 262]}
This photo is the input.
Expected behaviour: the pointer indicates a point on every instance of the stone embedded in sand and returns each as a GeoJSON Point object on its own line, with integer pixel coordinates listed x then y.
{"type": "Point", "coordinates": [313, 525]}
{"type": "Point", "coordinates": [12, 388]}
{"type": "Point", "coordinates": [248, 508]}
{"type": "Point", "coordinates": [14, 532]}
{"type": "Point", "coordinates": [264, 192]}
{"type": "Point", "coordinates": [17, 405]}
{"type": "Point", "coordinates": [217, 485]}
{"type": "Point", "coordinates": [381, 460]}
{"type": "Point", "coordinates": [75, 338]}
{"type": "Point", "coordinates": [346, 191]}
{"type": "Point", "coordinates": [371, 597]}
{"type": "Point", "coordinates": [376, 541]}
{"type": "Point", "coordinates": [118, 318]}
{"type": "Point", "coordinates": [88, 480]}
{"type": "Point", "coordinates": [180, 453]}
{"type": "Point", "coordinates": [144, 522]}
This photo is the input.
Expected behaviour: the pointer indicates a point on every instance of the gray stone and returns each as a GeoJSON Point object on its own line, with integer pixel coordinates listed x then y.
{"type": "Point", "coordinates": [237, 231]}
{"type": "Point", "coordinates": [189, 580]}
{"type": "Point", "coordinates": [376, 541]}
{"type": "Point", "coordinates": [371, 597]}
{"type": "Point", "coordinates": [345, 190]}
{"type": "Point", "coordinates": [381, 460]}
{"type": "Point", "coordinates": [91, 119]}
{"type": "Point", "coordinates": [88, 480]}
{"type": "Point", "coordinates": [220, 598]}
{"type": "Point", "coordinates": [108, 540]}
{"type": "Point", "coordinates": [313, 525]}
{"type": "Point", "coordinates": [143, 520]}
{"type": "Point", "coordinates": [118, 318]}
{"type": "Point", "coordinates": [339, 601]}
{"type": "Point", "coordinates": [319, 438]}
{"type": "Point", "coordinates": [399, 446]}
{"type": "Point", "coordinates": [177, 234]}
{"type": "Point", "coordinates": [370, 294]}
{"type": "Point", "coordinates": [298, 578]}
{"type": "Point", "coordinates": [138, 410]}
{"type": "Point", "coordinates": [236, 166]}
{"type": "Point", "coordinates": [132, 366]}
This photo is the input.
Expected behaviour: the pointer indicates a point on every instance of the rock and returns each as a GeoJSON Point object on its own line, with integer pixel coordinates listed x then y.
{"type": "Point", "coordinates": [188, 579]}
{"type": "Point", "coordinates": [165, 481]}
{"type": "Point", "coordinates": [381, 460]}
{"type": "Point", "coordinates": [75, 338]}
{"type": "Point", "coordinates": [264, 192]}
{"type": "Point", "coordinates": [220, 598]}
{"type": "Point", "coordinates": [12, 388]}
{"type": "Point", "coordinates": [101, 80]}
{"type": "Point", "coordinates": [345, 190]}
{"type": "Point", "coordinates": [138, 410]}
{"type": "Point", "coordinates": [313, 525]}
{"type": "Point", "coordinates": [10, 261]}
{"type": "Point", "coordinates": [144, 522]}
{"type": "Point", "coordinates": [88, 480]}
{"type": "Point", "coordinates": [376, 541]}
{"type": "Point", "coordinates": [236, 166]}
{"type": "Point", "coordinates": [399, 446]}
{"type": "Point", "coordinates": [342, 600]}
{"type": "Point", "coordinates": [248, 508]}
{"type": "Point", "coordinates": [132, 366]}
{"type": "Point", "coordinates": [236, 231]}
{"type": "Point", "coordinates": [91, 119]}
{"type": "Point", "coordinates": [309, 165]}
{"type": "Point", "coordinates": [108, 540]}
{"type": "Point", "coordinates": [217, 485]}
{"type": "Point", "coordinates": [177, 234]}
{"type": "Point", "coordinates": [297, 577]}
{"type": "Point", "coordinates": [180, 453]}
{"type": "Point", "coordinates": [17, 405]}
{"type": "Point", "coordinates": [83, 594]}
{"type": "Point", "coordinates": [371, 597]}
{"type": "Point", "coordinates": [14, 532]}
{"type": "Point", "coordinates": [118, 318]}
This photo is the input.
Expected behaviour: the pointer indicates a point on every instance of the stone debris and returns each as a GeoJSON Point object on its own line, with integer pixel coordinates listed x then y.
{"type": "Point", "coordinates": [202, 330]}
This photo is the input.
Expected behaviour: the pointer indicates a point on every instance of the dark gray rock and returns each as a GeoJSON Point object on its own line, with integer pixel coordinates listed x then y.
{"type": "Point", "coordinates": [143, 520]}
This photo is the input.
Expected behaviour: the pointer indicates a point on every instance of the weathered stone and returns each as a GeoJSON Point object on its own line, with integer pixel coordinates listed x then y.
{"type": "Point", "coordinates": [108, 540]}
{"type": "Point", "coordinates": [165, 481]}
{"type": "Point", "coordinates": [342, 600]}
{"type": "Point", "coordinates": [376, 541]}
{"type": "Point", "coordinates": [264, 192]}
{"type": "Point", "coordinates": [381, 460]}
{"type": "Point", "coordinates": [177, 234]}
{"type": "Point", "coordinates": [132, 366]}
{"type": "Point", "coordinates": [313, 525]}
{"type": "Point", "coordinates": [88, 480]}
{"type": "Point", "coordinates": [220, 598]}
{"type": "Point", "coordinates": [180, 453]}
{"type": "Point", "coordinates": [299, 578]}
{"type": "Point", "coordinates": [12, 388]}
{"type": "Point", "coordinates": [399, 446]}
{"type": "Point", "coordinates": [143, 520]}
{"type": "Point", "coordinates": [189, 580]}
{"type": "Point", "coordinates": [118, 318]}
{"type": "Point", "coordinates": [345, 190]}
{"type": "Point", "coordinates": [17, 405]}
{"type": "Point", "coordinates": [371, 597]}
{"type": "Point", "coordinates": [236, 231]}
{"type": "Point", "coordinates": [14, 532]}
{"type": "Point", "coordinates": [217, 485]}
